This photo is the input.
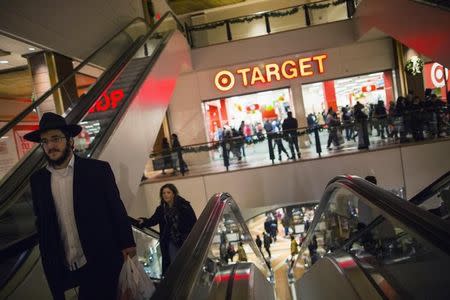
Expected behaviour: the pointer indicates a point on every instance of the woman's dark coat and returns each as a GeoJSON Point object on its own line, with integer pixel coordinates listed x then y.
{"type": "Point", "coordinates": [187, 220]}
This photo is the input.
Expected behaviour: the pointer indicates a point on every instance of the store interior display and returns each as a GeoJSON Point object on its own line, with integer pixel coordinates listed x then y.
{"type": "Point", "coordinates": [253, 109]}
{"type": "Point", "coordinates": [366, 89]}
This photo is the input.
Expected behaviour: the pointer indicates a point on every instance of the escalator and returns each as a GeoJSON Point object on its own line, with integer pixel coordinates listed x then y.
{"type": "Point", "coordinates": [202, 270]}
{"type": "Point", "coordinates": [366, 243]}
{"type": "Point", "coordinates": [132, 70]}
{"type": "Point", "coordinates": [436, 197]}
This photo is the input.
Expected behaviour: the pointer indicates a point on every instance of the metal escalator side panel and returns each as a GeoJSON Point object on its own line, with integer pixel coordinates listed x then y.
{"type": "Point", "coordinates": [249, 283]}
{"type": "Point", "coordinates": [133, 132]}
{"type": "Point", "coordinates": [401, 249]}
{"type": "Point", "coordinates": [28, 282]}
{"type": "Point", "coordinates": [200, 269]}
{"type": "Point", "coordinates": [335, 278]}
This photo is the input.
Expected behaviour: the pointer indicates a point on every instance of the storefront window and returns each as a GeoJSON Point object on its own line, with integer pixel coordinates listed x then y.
{"type": "Point", "coordinates": [253, 109]}
{"type": "Point", "coordinates": [367, 89]}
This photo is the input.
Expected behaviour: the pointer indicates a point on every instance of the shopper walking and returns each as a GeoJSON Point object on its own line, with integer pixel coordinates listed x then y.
{"type": "Point", "coordinates": [82, 225]}
{"type": "Point", "coordinates": [178, 154]}
{"type": "Point", "coordinates": [167, 158]}
{"type": "Point", "coordinates": [230, 251]}
{"type": "Point", "coordinates": [278, 139]}
{"type": "Point", "coordinates": [175, 218]}
{"type": "Point", "coordinates": [242, 256]}
{"type": "Point", "coordinates": [258, 243]}
{"type": "Point", "coordinates": [380, 115]}
{"type": "Point", "coordinates": [267, 241]}
{"type": "Point", "coordinates": [361, 121]}
{"type": "Point", "coordinates": [294, 246]}
{"type": "Point", "coordinates": [290, 126]}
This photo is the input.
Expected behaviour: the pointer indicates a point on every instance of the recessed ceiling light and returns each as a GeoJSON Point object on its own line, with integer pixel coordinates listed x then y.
{"type": "Point", "coordinates": [4, 61]}
{"type": "Point", "coordinates": [31, 49]}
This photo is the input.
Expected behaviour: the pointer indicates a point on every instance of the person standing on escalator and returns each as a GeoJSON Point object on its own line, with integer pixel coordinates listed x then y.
{"type": "Point", "coordinates": [82, 225]}
{"type": "Point", "coordinates": [176, 218]}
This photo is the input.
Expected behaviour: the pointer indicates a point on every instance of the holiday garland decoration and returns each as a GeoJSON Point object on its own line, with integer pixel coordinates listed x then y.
{"type": "Point", "coordinates": [414, 65]}
{"type": "Point", "coordinates": [325, 5]}
{"type": "Point", "coordinates": [273, 14]}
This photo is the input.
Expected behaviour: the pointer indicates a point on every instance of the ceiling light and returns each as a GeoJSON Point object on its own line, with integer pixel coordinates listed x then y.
{"type": "Point", "coordinates": [4, 61]}
{"type": "Point", "coordinates": [31, 49]}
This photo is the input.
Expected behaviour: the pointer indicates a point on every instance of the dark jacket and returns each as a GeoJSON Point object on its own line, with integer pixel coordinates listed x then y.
{"type": "Point", "coordinates": [290, 124]}
{"type": "Point", "coordinates": [258, 242]}
{"type": "Point", "coordinates": [100, 216]}
{"type": "Point", "coordinates": [186, 221]}
{"type": "Point", "coordinates": [267, 241]}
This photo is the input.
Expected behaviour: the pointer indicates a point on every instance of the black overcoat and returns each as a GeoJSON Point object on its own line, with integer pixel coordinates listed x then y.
{"type": "Point", "coordinates": [101, 219]}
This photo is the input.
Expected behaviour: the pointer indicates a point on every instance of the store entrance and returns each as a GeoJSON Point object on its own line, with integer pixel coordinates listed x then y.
{"type": "Point", "coordinates": [346, 92]}
{"type": "Point", "coordinates": [253, 110]}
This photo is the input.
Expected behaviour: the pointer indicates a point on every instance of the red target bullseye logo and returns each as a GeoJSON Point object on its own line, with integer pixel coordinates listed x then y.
{"type": "Point", "coordinates": [438, 76]}
{"type": "Point", "coordinates": [224, 80]}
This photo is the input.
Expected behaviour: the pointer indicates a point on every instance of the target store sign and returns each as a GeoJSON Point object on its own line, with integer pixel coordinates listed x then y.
{"type": "Point", "coordinates": [225, 80]}
{"type": "Point", "coordinates": [436, 77]}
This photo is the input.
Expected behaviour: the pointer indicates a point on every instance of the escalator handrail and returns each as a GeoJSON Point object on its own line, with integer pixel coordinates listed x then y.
{"type": "Point", "coordinates": [53, 89]}
{"type": "Point", "coordinates": [431, 190]}
{"type": "Point", "coordinates": [183, 272]}
{"type": "Point", "coordinates": [74, 116]}
{"type": "Point", "coordinates": [19, 246]}
{"type": "Point", "coordinates": [100, 142]}
{"type": "Point", "coordinates": [149, 231]}
{"type": "Point", "coordinates": [32, 240]}
{"type": "Point", "coordinates": [425, 224]}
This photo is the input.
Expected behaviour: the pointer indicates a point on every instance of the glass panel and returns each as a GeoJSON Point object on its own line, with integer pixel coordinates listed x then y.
{"type": "Point", "coordinates": [243, 30]}
{"type": "Point", "coordinates": [103, 112]}
{"type": "Point", "coordinates": [149, 253]}
{"type": "Point", "coordinates": [17, 221]}
{"type": "Point", "coordinates": [7, 266]}
{"type": "Point", "coordinates": [13, 147]}
{"type": "Point", "coordinates": [331, 13]}
{"type": "Point", "coordinates": [202, 38]}
{"type": "Point", "coordinates": [231, 244]}
{"type": "Point", "coordinates": [288, 22]}
{"type": "Point", "coordinates": [439, 203]}
{"type": "Point", "coordinates": [399, 261]}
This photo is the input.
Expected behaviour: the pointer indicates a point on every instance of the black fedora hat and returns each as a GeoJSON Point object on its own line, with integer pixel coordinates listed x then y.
{"type": "Point", "coordinates": [51, 121]}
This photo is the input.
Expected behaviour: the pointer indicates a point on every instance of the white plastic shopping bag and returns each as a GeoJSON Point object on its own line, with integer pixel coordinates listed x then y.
{"type": "Point", "coordinates": [134, 283]}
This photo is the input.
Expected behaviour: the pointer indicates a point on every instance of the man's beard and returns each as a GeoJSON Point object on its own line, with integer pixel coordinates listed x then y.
{"type": "Point", "coordinates": [57, 162]}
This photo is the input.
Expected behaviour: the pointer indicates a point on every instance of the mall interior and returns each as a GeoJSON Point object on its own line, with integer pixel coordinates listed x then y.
{"type": "Point", "coordinates": [350, 200]}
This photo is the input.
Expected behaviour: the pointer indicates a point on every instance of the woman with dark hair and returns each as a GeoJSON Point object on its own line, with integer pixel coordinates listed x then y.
{"type": "Point", "coordinates": [176, 218]}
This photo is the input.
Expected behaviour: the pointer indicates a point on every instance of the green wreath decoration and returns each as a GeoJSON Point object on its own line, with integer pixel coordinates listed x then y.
{"type": "Point", "coordinates": [414, 65]}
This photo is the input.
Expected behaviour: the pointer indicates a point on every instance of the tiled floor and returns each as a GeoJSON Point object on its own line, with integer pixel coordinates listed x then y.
{"type": "Point", "coordinates": [280, 251]}
{"type": "Point", "coordinates": [257, 155]}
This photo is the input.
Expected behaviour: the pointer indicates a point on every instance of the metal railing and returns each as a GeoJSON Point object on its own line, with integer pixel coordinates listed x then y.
{"type": "Point", "coordinates": [354, 135]}
{"type": "Point", "coordinates": [267, 26]}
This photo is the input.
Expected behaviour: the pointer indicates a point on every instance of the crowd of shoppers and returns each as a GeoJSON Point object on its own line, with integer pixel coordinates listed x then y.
{"type": "Point", "coordinates": [410, 118]}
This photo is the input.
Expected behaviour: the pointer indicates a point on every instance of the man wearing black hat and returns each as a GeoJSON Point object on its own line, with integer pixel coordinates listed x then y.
{"type": "Point", "coordinates": [83, 227]}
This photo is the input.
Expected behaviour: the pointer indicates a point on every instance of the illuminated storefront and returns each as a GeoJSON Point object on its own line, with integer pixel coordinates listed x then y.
{"type": "Point", "coordinates": [253, 109]}
{"type": "Point", "coordinates": [366, 89]}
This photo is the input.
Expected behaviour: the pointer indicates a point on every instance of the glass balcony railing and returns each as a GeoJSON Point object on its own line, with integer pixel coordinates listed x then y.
{"type": "Point", "coordinates": [236, 151]}
{"type": "Point", "coordinates": [249, 26]}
